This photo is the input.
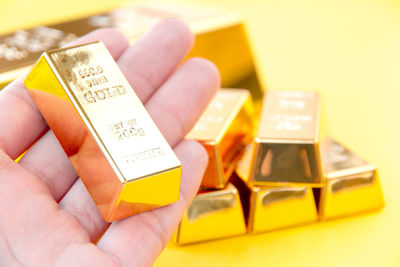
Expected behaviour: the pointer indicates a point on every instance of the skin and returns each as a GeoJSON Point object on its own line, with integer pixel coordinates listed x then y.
{"type": "Point", "coordinates": [47, 216]}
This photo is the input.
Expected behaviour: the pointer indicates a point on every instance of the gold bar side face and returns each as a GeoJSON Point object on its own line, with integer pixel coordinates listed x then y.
{"type": "Point", "coordinates": [272, 208]}
{"type": "Point", "coordinates": [286, 149]}
{"type": "Point", "coordinates": [224, 129]}
{"type": "Point", "coordinates": [212, 215]}
{"type": "Point", "coordinates": [113, 144]}
{"type": "Point", "coordinates": [352, 185]}
{"type": "Point", "coordinates": [220, 36]}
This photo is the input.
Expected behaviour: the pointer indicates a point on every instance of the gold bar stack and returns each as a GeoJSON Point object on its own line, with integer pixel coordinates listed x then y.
{"type": "Point", "coordinates": [282, 165]}
{"type": "Point", "coordinates": [224, 129]}
{"type": "Point", "coordinates": [122, 158]}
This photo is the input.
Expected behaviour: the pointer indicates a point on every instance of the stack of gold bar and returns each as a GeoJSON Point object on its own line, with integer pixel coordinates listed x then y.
{"type": "Point", "coordinates": [224, 129]}
{"type": "Point", "coordinates": [285, 175]}
{"type": "Point", "coordinates": [283, 165]}
{"type": "Point", "coordinates": [265, 172]}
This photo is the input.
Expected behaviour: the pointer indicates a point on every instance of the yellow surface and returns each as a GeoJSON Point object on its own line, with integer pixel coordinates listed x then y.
{"type": "Point", "coordinates": [350, 52]}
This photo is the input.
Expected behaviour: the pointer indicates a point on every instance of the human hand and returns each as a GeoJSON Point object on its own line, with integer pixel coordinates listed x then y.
{"type": "Point", "coordinates": [47, 217]}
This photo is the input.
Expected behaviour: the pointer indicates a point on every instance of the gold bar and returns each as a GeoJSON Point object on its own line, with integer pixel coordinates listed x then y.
{"type": "Point", "coordinates": [352, 184]}
{"type": "Point", "coordinates": [224, 129]}
{"type": "Point", "coordinates": [276, 207]}
{"type": "Point", "coordinates": [212, 215]}
{"type": "Point", "coordinates": [122, 158]}
{"type": "Point", "coordinates": [220, 37]}
{"type": "Point", "coordinates": [286, 148]}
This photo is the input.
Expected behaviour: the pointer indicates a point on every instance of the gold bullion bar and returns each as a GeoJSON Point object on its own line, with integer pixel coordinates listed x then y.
{"type": "Point", "coordinates": [286, 148]}
{"type": "Point", "coordinates": [220, 37]}
{"type": "Point", "coordinates": [122, 158]}
{"type": "Point", "coordinates": [224, 129]}
{"type": "Point", "coordinates": [212, 215]}
{"type": "Point", "coordinates": [276, 207]}
{"type": "Point", "coordinates": [352, 184]}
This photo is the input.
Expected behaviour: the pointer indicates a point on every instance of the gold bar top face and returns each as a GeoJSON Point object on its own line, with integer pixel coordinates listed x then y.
{"type": "Point", "coordinates": [114, 112]}
{"type": "Point", "coordinates": [287, 143]}
{"type": "Point", "coordinates": [105, 130]}
{"type": "Point", "coordinates": [224, 129]}
{"type": "Point", "coordinates": [217, 117]}
{"type": "Point", "coordinates": [290, 116]}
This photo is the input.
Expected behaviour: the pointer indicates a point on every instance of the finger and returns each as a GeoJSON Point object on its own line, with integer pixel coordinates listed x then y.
{"type": "Point", "coordinates": [47, 160]}
{"type": "Point", "coordinates": [152, 59]}
{"type": "Point", "coordinates": [138, 240]}
{"type": "Point", "coordinates": [20, 121]}
{"type": "Point", "coordinates": [114, 40]}
{"type": "Point", "coordinates": [175, 107]}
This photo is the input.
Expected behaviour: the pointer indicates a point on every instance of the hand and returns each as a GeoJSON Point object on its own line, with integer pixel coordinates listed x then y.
{"type": "Point", "coordinates": [47, 217]}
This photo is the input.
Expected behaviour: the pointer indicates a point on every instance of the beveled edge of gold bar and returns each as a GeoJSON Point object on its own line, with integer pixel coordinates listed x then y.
{"type": "Point", "coordinates": [244, 96]}
{"type": "Point", "coordinates": [351, 171]}
{"type": "Point", "coordinates": [260, 140]}
{"type": "Point", "coordinates": [282, 184]}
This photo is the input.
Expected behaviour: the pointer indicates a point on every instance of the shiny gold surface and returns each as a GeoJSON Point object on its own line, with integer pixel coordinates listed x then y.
{"type": "Point", "coordinates": [286, 149]}
{"type": "Point", "coordinates": [220, 37]}
{"type": "Point", "coordinates": [224, 129]}
{"type": "Point", "coordinates": [352, 185]}
{"type": "Point", "coordinates": [274, 208]}
{"type": "Point", "coordinates": [115, 147]}
{"type": "Point", "coordinates": [212, 215]}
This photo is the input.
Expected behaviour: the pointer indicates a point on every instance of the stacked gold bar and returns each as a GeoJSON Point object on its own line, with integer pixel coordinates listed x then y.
{"type": "Point", "coordinates": [283, 163]}
{"type": "Point", "coordinates": [352, 184]}
{"type": "Point", "coordinates": [224, 129]}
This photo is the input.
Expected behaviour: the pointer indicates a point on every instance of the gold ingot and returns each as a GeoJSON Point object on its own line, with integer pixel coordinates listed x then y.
{"type": "Point", "coordinates": [286, 148]}
{"type": "Point", "coordinates": [122, 158]}
{"type": "Point", "coordinates": [224, 129]}
{"type": "Point", "coordinates": [212, 215]}
{"type": "Point", "coordinates": [220, 37]}
{"type": "Point", "coordinates": [276, 207]}
{"type": "Point", "coordinates": [352, 185]}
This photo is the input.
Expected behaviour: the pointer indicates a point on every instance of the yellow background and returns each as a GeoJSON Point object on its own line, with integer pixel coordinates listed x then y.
{"type": "Point", "coordinates": [349, 51]}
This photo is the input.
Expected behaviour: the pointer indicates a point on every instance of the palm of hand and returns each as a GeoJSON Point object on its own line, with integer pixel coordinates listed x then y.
{"type": "Point", "coordinates": [47, 216]}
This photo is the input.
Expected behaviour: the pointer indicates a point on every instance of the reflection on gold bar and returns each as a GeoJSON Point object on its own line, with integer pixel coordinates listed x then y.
{"type": "Point", "coordinates": [352, 185]}
{"type": "Point", "coordinates": [286, 149]}
{"type": "Point", "coordinates": [224, 129]}
{"type": "Point", "coordinates": [276, 207]}
{"type": "Point", "coordinates": [115, 147]}
{"type": "Point", "coordinates": [220, 37]}
{"type": "Point", "coordinates": [212, 215]}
